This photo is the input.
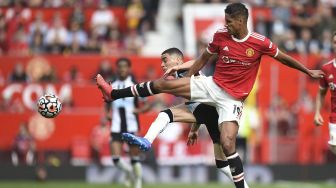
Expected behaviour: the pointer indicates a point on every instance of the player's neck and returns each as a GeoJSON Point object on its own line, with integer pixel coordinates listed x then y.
{"type": "Point", "coordinates": [242, 34]}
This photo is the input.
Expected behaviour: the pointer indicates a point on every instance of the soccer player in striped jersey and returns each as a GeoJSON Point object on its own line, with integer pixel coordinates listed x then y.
{"type": "Point", "coordinates": [239, 53]}
{"type": "Point", "coordinates": [125, 120]}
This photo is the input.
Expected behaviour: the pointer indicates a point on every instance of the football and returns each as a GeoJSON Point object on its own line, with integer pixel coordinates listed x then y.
{"type": "Point", "coordinates": [49, 106]}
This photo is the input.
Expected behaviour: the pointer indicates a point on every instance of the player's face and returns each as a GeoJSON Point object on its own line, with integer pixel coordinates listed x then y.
{"type": "Point", "coordinates": [168, 61]}
{"type": "Point", "coordinates": [233, 24]}
{"type": "Point", "coordinates": [123, 69]}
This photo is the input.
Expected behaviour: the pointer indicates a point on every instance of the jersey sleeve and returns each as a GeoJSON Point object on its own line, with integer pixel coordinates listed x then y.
{"type": "Point", "coordinates": [269, 48]}
{"type": "Point", "coordinates": [213, 47]}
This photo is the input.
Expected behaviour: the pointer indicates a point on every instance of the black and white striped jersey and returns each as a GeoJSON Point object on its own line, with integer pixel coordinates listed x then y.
{"type": "Point", "coordinates": [123, 118]}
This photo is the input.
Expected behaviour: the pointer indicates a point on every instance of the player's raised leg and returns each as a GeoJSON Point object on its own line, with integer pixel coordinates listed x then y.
{"type": "Point", "coordinates": [180, 87]}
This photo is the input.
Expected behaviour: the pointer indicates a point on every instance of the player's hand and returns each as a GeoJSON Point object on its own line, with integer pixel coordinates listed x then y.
{"type": "Point", "coordinates": [170, 71]}
{"type": "Point", "coordinates": [318, 120]}
{"type": "Point", "coordinates": [316, 73]}
{"type": "Point", "coordinates": [192, 138]}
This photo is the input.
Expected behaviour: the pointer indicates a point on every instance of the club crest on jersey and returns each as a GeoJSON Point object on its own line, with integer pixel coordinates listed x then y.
{"type": "Point", "coordinates": [249, 52]}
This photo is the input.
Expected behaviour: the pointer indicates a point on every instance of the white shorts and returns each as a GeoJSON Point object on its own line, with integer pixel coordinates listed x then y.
{"type": "Point", "coordinates": [332, 134]}
{"type": "Point", "coordinates": [204, 90]}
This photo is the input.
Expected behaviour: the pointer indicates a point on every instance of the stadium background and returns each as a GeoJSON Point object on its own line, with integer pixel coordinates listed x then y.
{"type": "Point", "coordinates": [281, 141]}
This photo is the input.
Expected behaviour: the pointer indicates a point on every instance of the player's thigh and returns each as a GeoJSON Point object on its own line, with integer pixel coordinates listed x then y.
{"type": "Point", "coordinates": [206, 114]}
{"type": "Point", "coordinates": [182, 113]}
{"type": "Point", "coordinates": [178, 87]}
{"type": "Point", "coordinates": [218, 151]}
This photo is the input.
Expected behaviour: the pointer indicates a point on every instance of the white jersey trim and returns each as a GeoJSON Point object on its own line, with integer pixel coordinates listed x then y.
{"type": "Point", "coordinates": [243, 39]}
{"type": "Point", "coordinates": [277, 52]}
{"type": "Point", "coordinates": [207, 49]}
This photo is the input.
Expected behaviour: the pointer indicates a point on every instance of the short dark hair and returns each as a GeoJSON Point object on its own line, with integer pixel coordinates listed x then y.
{"type": "Point", "coordinates": [172, 51]}
{"type": "Point", "coordinates": [128, 61]}
{"type": "Point", "coordinates": [237, 9]}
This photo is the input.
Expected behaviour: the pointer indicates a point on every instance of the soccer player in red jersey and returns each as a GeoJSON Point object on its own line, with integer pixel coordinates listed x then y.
{"type": "Point", "coordinates": [328, 81]}
{"type": "Point", "coordinates": [239, 52]}
{"type": "Point", "coordinates": [188, 112]}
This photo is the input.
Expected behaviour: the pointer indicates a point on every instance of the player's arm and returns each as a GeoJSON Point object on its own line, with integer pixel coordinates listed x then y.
{"type": "Point", "coordinates": [183, 66]}
{"type": "Point", "coordinates": [291, 62]}
{"type": "Point", "coordinates": [318, 119]}
{"type": "Point", "coordinates": [108, 111]}
{"type": "Point", "coordinates": [193, 134]}
{"type": "Point", "coordinates": [187, 65]}
{"type": "Point", "coordinates": [199, 63]}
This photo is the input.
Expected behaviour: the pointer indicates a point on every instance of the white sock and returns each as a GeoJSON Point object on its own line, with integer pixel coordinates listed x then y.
{"type": "Point", "coordinates": [122, 165]}
{"type": "Point", "coordinates": [227, 172]}
{"type": "Point", "coordinates": [157, 127]}
{"type": "Point", "coordinates": [137, 169]}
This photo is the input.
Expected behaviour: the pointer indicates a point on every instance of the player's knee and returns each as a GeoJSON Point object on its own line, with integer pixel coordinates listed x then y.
{"type": "Point", "coordinates": [228, 144]}
{"type": "Point", "coordinates": [169, 113]}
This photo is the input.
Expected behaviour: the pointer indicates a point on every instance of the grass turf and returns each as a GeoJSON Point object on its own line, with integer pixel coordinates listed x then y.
{"type": "Point", "coordinates": [71, 184]}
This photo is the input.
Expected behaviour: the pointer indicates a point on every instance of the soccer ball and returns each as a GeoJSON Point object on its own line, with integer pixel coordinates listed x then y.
{"type": "Point", "coordinates": [49, 105]}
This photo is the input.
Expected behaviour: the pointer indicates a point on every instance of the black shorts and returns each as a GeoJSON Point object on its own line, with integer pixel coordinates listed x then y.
{"type": "Point", "coordinates": [116, 137]}
{"type": "Point", "coordinates": [207, 115]}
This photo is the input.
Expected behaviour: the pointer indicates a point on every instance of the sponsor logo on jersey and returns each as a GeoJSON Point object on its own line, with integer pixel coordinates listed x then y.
{"type": "Point", "coordinates": [249, 52]}
{"type": "Point", "coordinates": [226, 59]}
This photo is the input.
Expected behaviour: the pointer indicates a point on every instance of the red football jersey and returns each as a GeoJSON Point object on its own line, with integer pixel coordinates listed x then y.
{"type": "Point", "coordinates": [329, 80]}
{"type": "Point", "coordinates": [239, 60]}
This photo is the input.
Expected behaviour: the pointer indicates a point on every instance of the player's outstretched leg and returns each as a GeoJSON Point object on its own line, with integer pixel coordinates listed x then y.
{"type": "Point", "coordinates": [180, 87]}
{"type": "Point", "coordinates": [143, 143]}
{"type": "Point", "coordinates": [138, 90]}
{"type": "Point", "coordinates": [159, 125]}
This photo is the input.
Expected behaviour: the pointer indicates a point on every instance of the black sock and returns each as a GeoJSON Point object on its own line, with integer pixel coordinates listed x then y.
{"type": "Point", "coordinates": [237, 171]}
{"type": "Point", "coordinates": [221, 163]}
{"type": "Point", "coordinates": [144, 89]}
{"type": "Point", "coordinates": [115, 160]}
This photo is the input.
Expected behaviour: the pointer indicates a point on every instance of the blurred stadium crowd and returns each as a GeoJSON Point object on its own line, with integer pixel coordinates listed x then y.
{"type": "Point", "coordinates": [303, 26]}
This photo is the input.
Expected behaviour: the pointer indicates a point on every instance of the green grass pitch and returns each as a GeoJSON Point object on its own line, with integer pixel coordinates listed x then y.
{"type": "Point", "coordinates": [70, 184]}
